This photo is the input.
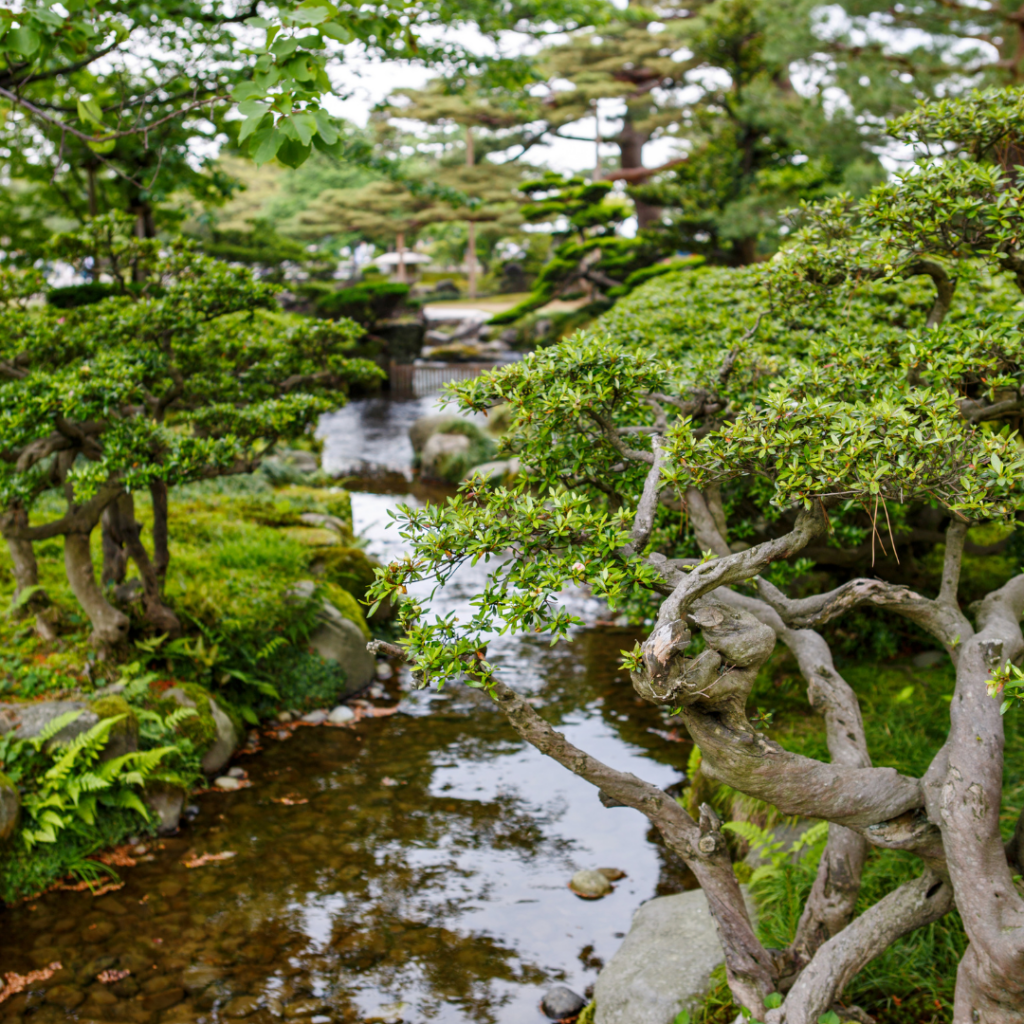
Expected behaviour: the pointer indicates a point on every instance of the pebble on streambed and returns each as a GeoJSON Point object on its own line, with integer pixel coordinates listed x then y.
{"type": "Point", "coordinates": [561, 1003]}
{"type": "Point", "coordinates": [592, 885]}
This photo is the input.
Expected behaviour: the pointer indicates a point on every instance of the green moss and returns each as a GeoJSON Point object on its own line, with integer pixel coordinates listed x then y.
{"type": "Point", "coordinates": [352, 569]}
{"type": "Point", "coordinates": [348, 606]}
{"type": "Point", "coordinates": [110, 707]}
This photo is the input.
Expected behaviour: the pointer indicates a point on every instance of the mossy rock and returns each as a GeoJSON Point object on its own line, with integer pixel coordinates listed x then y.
{"type": "Point", "coordinates": [200, 728]}
{"type": "Point", "coordinates": [352, 569]}
{"type": "Point", "coordinates": [218, 729]}
{"type": "Point", "coordinates": [124, 736]}
{"type": "Point", "coordinates": [348, 606]}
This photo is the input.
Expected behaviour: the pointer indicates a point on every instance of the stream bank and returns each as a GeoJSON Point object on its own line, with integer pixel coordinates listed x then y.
{"type": "Point", "coordinates": [419, 859]}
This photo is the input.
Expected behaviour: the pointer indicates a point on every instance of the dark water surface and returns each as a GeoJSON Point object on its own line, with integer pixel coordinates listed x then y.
{"type": "Point", "coordinates": [419, 859]}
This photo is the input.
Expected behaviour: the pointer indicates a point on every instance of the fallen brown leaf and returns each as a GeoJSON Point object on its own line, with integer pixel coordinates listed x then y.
{"type": "Point", "coordinates": [208, 858]}
{"type": "Point", "coordinates": [15, 983]}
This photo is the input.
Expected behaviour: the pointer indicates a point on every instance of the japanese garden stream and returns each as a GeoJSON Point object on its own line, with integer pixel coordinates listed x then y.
{"type": "Point", "coordinates": [412, 867]}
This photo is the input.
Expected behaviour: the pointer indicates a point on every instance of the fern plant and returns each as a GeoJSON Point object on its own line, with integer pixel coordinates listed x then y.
{"type": "Point", "coordinates": [77, 783]}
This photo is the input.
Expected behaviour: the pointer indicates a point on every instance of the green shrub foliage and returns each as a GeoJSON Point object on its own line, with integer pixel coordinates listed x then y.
{"type": "Point", "coordinates": [750, 457]}
{"type": "Point", "coordinates": [186, 373]}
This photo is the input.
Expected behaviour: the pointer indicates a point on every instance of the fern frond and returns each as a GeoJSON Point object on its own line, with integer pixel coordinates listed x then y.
{"type": "Point", "coordinates": [175, 718]}
{"type": "Point", "coordinates": [753, 834]}
{"type": "Point", "coordinates": [52, 728]}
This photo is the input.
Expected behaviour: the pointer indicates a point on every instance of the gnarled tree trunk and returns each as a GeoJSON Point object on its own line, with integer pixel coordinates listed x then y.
{"type": "Point", "coordinates": [109, 626]}
{"type": "Point", "coordinates": [26, 570]}
{"type": "Point", "coordinates": [122, 534]}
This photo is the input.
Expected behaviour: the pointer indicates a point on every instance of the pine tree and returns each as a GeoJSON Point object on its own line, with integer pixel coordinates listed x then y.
{"type": "Point", "coordinates": [487, 123]}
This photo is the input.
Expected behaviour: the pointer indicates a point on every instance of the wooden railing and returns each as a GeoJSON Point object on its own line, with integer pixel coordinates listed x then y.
{"type": "Point", "coordinates": [417, 380]}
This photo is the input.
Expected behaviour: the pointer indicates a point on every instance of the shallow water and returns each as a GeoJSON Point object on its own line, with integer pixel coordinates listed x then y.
{"type": "Point", "coordinates": [418, 859]}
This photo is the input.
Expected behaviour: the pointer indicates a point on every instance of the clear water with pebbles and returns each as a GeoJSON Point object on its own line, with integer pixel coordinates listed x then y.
{"type": "Point", "coordinates": [412, 867]}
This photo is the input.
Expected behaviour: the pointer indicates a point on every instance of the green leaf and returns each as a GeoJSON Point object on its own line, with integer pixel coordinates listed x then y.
{"type": "Point", "coordinates": [305, 126]}
{"type": "Point", "coordinates": [264, 145]}
{"type": "Point", "coordinates": [309, 15]}
{"type": "Point", "coordinates": [325, 126]}
{"type": "Point", "coordinates": [253, 122]}
{"type": "Point", "coordinates": [23, 40]}
{"type": "Point", "coordinates": [773, 1000]}
{"type": "Point", "coordinates": [830, 1017]}
{"type": "Point", "coordinates": [292, 153]}
{"type": "Point", "coordinates": [90, 112]}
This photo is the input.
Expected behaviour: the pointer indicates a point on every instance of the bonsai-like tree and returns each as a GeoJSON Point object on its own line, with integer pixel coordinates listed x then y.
{"type": "Point", "coordinates": [182, 377]}
{"type": "Point", "coordinates": [797, 447]}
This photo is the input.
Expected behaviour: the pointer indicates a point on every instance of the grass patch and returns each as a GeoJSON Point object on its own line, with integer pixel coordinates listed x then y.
{"type": "Point", "coordinates": [238, 547]}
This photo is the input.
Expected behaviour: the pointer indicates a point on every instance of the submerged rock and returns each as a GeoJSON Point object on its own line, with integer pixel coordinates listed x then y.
{"type": "Point", "coordinates": [664, 964]}
{"type": "Point", "coordinates": [227, 782]}
{"type": "Point", "coordinates": [561, 1003]}
{"type": "Point", "coordinates": [340, 715]}
{"type": "Point", "coordinates": [591, 884]}
{"type": "Point", "coordinates": [317, 717]}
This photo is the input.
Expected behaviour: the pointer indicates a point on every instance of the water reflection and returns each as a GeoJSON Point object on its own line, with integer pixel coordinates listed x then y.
{"type": "Point", "coordinates": [419, 859]}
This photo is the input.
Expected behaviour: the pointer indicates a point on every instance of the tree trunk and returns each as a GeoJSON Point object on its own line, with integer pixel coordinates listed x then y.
{"type": "Point", "coordinates": [470, 225]}
{"type": "Point", "coordinates": [631, 148]}
{"type": "Point", "coordinates": [109, 626]}
{"type": "Point", "coordinates": [963, 789]}
{"type": "Point", "coordinates": [26, 572]}
{"type": "Point", "coordinates": [744, 251]}
{"type": "Point", "coordinates": [400, 249]}
{"type": "Point", "coordinates": [115, 557]}
{"type": "Point", "coordinates": [120, 515]}
{"type": "Point", "coordinates": [161, 553]}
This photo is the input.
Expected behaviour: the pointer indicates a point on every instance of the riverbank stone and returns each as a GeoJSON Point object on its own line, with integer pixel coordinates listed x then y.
{"type": "Point", "coordinates": [10, 807]}
{"type": "Point", "coordinates": [340, 715]}
{"type": "Point", "coordinates": [592, 884]}
{"type": "Point", "coordinates": [561, 1003]}
{"type": "Point", "coordinates": [30, 719]}
{"type": "Point", "coordinates": [338, 639]}
{"type": "Point", "coordinates": [166, 802]}
{"type": "Point", "coordinates": [440, 451]}
{"type": "Point", "coordinates": [664, 964]}
{"type": "Point", "coordinates": [227, 737]}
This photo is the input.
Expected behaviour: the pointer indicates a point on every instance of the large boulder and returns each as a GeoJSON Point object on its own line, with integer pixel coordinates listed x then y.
{"type": "Point", "coordinates": [426, 426]}
{"type": "Point", "coordinates": [30, 719]}
{"type": "Point", "coordinates": [339, 639]}
{"type": "Point", "coordinates": [664, 964]}
{"type": "Point", "coordinates": [10, 807]}
{"type": "Point", "coordinates": [226, 736]}
{"type": "Point", "coordinates": [442, 452]}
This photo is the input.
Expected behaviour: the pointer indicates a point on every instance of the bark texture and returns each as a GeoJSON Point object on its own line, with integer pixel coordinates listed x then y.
{"type": "Point", "coordinates": [109, 626]}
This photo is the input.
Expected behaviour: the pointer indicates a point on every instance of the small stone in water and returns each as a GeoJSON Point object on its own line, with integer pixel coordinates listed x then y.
{"type": "Point", "coordinates": [384, 670]}
{"type": "Point", "coordinates": [375, 692]}
{"type": "Point", "coordinates": [236, 773]}
{"type": "Point", "coordinates": [226, 782]}
{"type": "Point", "coordinates": [612, 874]}
{"type": "Point", "coordinates": [391, 1013]}
{"type": "Point", "coordinates": [591, 884]}
{"type": "Point", "coordinates": [340, 715]}
{"type": "Point", "coordinates": [561, 1003]}
{"type": "Point", "coordinates": [315, 717]}
{"type": "Point", "coordinates": [284, 716]}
